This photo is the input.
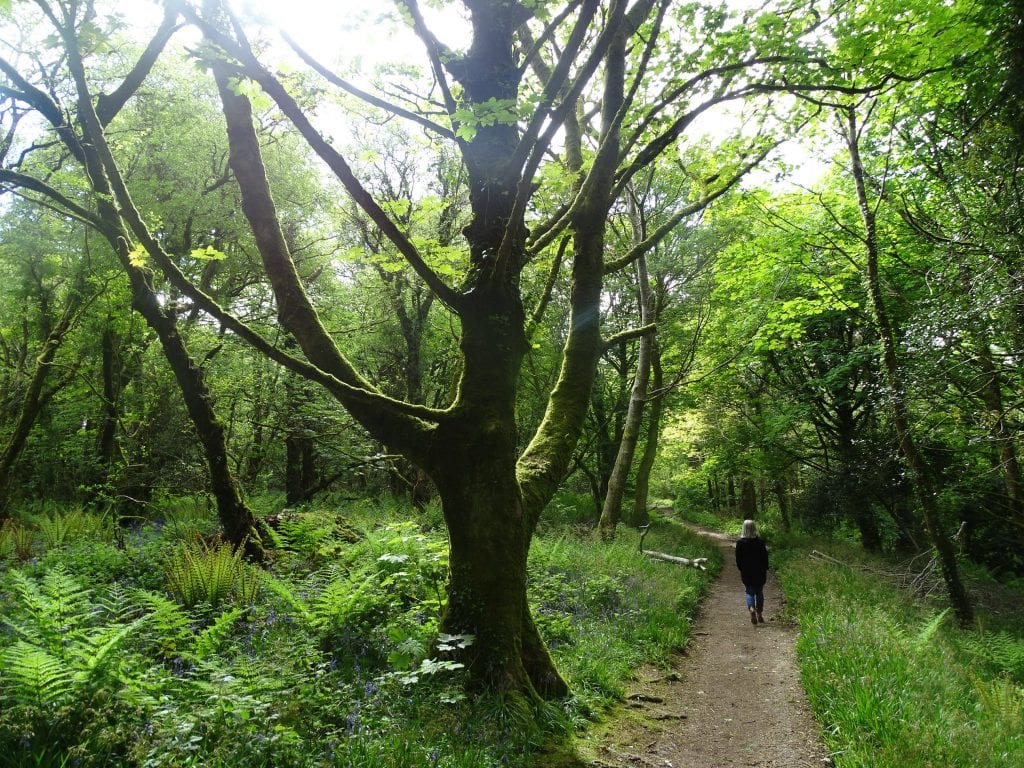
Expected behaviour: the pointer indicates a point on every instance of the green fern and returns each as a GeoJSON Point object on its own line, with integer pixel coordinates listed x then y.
{"type": "Point", "coordinates": [31, 675]}
{"type": "Point", "coordinates": [348, 600]}
{"type": "Point", "coordinates": [118, 605]}
{"type": "Point", "coordinates": [197, 573]}
{"type": "Point", "coordinates": [59, 648]}
{"type": "Point", "coordinates": [95, 652]}
{"type": "Point", "coordinates": [52, 530]}
{"type": "Point", "coordinates": [1001, 652]}
{"type": "Point", "coordinates": [6, 539]}
{"type": "Point", "coordinates": [928, 630]}
{"type": "Point", "coordinates": [211, 639]}
{"type": "Point", "coordinates": [54, 611]}
{"type": "Point", "coordinates": [287, 593]}
{"type": "Point", "coordinates": [170, 626]}
{"type": "Point", "coordinates": [22, 539]}
{"type": "Point", "coordinates": [1002, 697]}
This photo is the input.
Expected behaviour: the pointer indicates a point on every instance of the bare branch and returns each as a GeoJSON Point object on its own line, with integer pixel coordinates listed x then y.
{"type": "Point", "coordinates": [369, 98]}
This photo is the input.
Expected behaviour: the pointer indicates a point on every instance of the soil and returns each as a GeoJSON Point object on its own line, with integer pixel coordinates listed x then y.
{"type": "Point", "coordinates": [733, 698]}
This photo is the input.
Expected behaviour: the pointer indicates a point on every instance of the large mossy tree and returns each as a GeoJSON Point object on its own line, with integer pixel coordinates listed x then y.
{"type": "Point", "coordinates": [506, 104]}
{"type": "Point", "coordinates": [553, 109]}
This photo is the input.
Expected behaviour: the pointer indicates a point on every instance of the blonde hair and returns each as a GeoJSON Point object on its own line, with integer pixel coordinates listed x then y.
{"type": "Point", "coordinates": [749, 529]}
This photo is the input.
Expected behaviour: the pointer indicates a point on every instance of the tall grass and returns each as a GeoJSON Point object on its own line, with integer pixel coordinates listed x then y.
{"type": "Point", "coordinates": [893, 682]}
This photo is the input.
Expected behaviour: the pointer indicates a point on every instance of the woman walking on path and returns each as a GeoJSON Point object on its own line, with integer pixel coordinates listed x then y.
{"type": "Point", "coordinates": [752, 560]}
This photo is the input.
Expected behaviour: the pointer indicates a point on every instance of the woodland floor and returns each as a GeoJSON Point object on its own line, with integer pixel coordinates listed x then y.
{"type": "Point", "coordinates": [733, 698]}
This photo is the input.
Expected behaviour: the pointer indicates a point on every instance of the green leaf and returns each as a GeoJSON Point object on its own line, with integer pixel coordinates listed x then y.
{"type": "Point", "coordinates": [137, 257]}
{"type": "Point", "coordinates": [209, 253]}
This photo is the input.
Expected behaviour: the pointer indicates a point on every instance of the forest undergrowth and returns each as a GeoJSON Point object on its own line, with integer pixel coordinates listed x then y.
{"type": "Point", "coordinates": [891, 678]}
{"type": "Point", "coordinates": [155, 645]}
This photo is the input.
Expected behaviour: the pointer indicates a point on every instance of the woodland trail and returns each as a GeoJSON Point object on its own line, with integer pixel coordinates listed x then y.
{"type": "Point", "coordinates": [734, 698]}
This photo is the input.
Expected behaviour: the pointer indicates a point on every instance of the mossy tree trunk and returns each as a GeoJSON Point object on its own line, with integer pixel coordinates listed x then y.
{"type": "Point", "coordinates": [85, 141]}
{"type": "Point", "coordinates": [611, 511]}
{"type": "Point", "coordinates": [640, 515]}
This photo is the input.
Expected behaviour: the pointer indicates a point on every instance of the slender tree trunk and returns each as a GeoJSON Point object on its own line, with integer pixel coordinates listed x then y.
{"type": "Point", "coordinates": [919, 471]}
{"type": "Point", "coordinates": [779, 489]}
{"type": "Point", "coordinates": [748, 498]}
{"type": "Point", "coordinates": [106, 443]}
{"type": "Point", "coordinates": [236, 518]}
{"type": "Point", "coordinates": [643, 470]}
{"type": "Point", "coordinates": [34, 401]}
{"type": "Point", "coordinates": [1002, 436]}
{"type": "Point", "coordinates": [612, 508]}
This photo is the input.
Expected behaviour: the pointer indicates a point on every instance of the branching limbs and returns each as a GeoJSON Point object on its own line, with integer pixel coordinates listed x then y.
{"type": "Point", "coordinates": [237, 46]}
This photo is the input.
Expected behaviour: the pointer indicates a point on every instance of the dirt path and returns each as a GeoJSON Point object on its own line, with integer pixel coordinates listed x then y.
{"type": "Point", "coordinates": [734, 698]}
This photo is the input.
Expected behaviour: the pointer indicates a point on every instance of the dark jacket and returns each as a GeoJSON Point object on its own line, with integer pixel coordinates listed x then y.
{"type": "Point", "coordinates": [752, 560]}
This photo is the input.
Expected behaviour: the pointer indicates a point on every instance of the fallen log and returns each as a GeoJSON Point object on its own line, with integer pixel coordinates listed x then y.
{"type": "Point", "coordinates": [695, 562]}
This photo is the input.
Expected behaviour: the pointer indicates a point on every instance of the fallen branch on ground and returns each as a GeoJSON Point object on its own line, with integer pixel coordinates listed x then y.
{"type": "Point", "coordinates": [695, 562]}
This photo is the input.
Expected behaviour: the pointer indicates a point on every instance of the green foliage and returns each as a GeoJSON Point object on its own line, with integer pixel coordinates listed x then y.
{"type": "Point", "coordinates": [999, 654]}
{"type": "Point", "coordinates": [66, 527]}
{"type": "Point", "coordinates": [893, 685]}
{"type": "Point", "coordinates": [199, 573]}
{"type": "Point", "coordinates": [67, 663]}
{"type": "Point", "coordinates": [323, 663]}
{"type": "Point", "coordinates": [16, 538]}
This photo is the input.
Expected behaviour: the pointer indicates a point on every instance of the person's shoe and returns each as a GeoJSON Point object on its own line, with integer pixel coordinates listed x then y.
{"type": "Point", "coordinates": [760, 618]}
{"type": "Point", "coordinates": [753, 616]}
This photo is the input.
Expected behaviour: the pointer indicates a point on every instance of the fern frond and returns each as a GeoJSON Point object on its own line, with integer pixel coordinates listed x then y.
{"type": "Point", "coordinates": [340, 599]}
{"type": "Point", "coordinates": [286, 592]}
{"type": "Point", "coordinates": [54, 612]}
{"type": "Point", "coordinates": [197, 573]}
{"type": "Point", "coordinates": [1002, 697]}
{"type": "Point", "coordinates": [210, 640]}
{"type": "Point", "coordinates": [118, 605]}
{"type": "Point", "coordinates": [928, 630]}
{"type": "Point", "coordinates": [271, 534]}
{"type": "Point", "coordinates": [97, 648]}
{"type": "Point", "coordinates": [169, 624]}
{"type": "Point", "coordinates": [52, 530]}
{"type": "Point", "coordinates": [33, 676]}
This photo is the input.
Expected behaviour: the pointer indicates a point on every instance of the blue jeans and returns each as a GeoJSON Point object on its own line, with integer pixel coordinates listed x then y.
{"type": "Point", "coordinates": [755, 598]}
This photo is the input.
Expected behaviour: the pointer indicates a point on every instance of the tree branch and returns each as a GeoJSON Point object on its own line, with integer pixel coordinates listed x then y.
{"type": "Point", "coordinates": [109, 104]}
{"type": "Point", "coordinates": [70, 207]}
{"type": "Point", "coordinates": [630, 333]}
{"type": "Point", "coordinates": [252, 68]}
{"type": "Point", "coordinates": [369, 98]}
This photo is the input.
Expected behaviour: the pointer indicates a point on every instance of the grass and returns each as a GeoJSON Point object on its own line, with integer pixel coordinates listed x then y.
{"type": "Point", "coordinates": [893, 682]}
{"type": "Point", "coordinates": [110, 657]}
